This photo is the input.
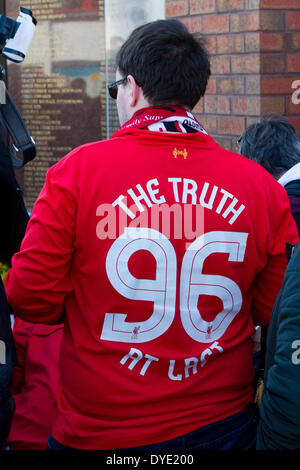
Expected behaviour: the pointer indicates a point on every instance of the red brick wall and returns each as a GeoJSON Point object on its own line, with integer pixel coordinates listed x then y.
{"type": "Point", "coordinates": [255, 57]}
{"type": "Point", "coordinates": [280, 58]}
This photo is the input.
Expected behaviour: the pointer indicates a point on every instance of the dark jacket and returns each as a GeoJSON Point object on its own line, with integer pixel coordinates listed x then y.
{"type": "Point", "coordinates": [279, 426]}
{"type": "Point", "coordinates": [293, 191]}
{"type": "Point", "coordinates": [14, 220]}
{"type": "Point", "coordinates": [14, 216]}
{"type": "Point", "coordinates": [7, 361]}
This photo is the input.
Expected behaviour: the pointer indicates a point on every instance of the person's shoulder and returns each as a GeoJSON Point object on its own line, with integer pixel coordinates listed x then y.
{"type": "Point", "coordinates": [252, 170]}
{"type": "Point", "coordinates": [80, 152]}
{"type": "Point", "coordinates": [241, 160]}
{"type": "Point", "coordinates": [79, 157]}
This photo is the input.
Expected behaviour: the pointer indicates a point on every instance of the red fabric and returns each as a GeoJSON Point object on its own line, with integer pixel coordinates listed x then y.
{"type": "Point", "coordinates": [120, 386]}
{"type": "Point", "coordinates": [35, 384]}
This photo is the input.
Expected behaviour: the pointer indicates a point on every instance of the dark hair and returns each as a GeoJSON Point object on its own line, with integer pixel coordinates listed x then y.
{"type": "Point", "coordinates": [273, 143]}
{"type": "Point", "coordinates": [170, 64]}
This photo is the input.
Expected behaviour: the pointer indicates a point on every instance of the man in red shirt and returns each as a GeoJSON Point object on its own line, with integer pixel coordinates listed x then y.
{"type": "Point", "coordinates": [159, 250]}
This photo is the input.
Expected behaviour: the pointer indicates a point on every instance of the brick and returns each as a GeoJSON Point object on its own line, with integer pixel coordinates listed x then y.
{"type": "Point", "coordinates": [277, 85]}
{"type": "Point", "coordinates": [272, 20]}
{"type": "Point", "coordinates": [199, 107]}
{"type": "Point", "coordinates": [292, 107]}
{"type": "Point", "coordinates": [210, 104]}
{"type": "Point", "coordinates": [271, 42]}
{"type": "Point", "coordinates": [230, 5]}
{"type": "Point", "coordinates": [209, 123]}
{"type": "Point", "coordinates": [220, 65]}
{"type": "Point", "coordinates": [176, 8]}
{"type": "Point", "coordinates": [253, 85]}
{"type": "Point", "coordinates": [288, 41]}
{"type": "Point", "coordinates": [280, 4]}
{"type": "Point", "coordinates": [231, 125]}
{"type": "Point", "coordinates": [223, 105]}
{"type": "Point", "coordinates": [224, 142]}
{"type": "Point", "coordinates": [272, 63]}
{"type": "Point", "coordinates": [216, 104]}
{"type": "Point", "coordinates": [252, 42]}
{"type": "Point", "coordinates": [211, 44]}
{"type": "Point", "coordinates": [246, 106]}
{"type": "Point", "coordinates": [216, 24]}
{"type": "Point", "coordinates": [202, 6]}
{"type": "Point", "coordinates": [252, 4]}
{"type": "Point", "coordinates": [295, 121]}
{"type": "Point", "coordinates": [244, 22]}
{"type": "Point", "coordinates": [251, 120]}
{"type": "Point", "coordinates": [211, 86]}
{"type": "Point", "coordinates": [293, 19]}
{"type": "Point", "coordinates": [293, 62]}
{"type": "Point", "coordinates": [272, 105]}
{"type": "Point", "coordinates": [193, 24]}
{"type": "Point", "coordinates": [230, 86]}
{"type": "Point", "coordinates": [229, 44]}
{"type": "Point", "coordinates": [186, 21]}
{"type": "Point", "coordinates": [245, 63]}
{"type": "Point", "coordinates": [296, 41]}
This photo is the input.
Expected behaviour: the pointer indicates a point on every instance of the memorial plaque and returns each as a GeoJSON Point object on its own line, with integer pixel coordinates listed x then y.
{"type": "Point", "coordinates": [60, 88]}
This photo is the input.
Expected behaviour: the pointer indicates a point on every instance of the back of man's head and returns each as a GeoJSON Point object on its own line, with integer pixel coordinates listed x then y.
{"type": "Point", "coordinates": [168, 63]}
{"type": "Point", "coordinates": [273, 143]}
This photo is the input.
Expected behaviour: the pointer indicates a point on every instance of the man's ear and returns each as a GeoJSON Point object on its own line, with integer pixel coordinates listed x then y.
{"type": "Point", "coordinates": [134, 91]}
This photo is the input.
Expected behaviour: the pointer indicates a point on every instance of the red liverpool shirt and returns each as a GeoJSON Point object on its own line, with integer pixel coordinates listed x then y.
{"type": "Point", "coordinates": [159, 251]}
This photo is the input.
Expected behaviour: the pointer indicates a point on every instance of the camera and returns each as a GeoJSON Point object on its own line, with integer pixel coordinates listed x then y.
{"type": "Point", "coordinates": [17, 35]}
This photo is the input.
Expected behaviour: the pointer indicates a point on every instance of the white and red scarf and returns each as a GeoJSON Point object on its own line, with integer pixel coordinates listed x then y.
{"type": "Point", "coordinates": [164, 119]}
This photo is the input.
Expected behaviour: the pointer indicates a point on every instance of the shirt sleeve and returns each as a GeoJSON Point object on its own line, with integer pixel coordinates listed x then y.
{"type": "Point", "coordinates": [39, 280]}
{"type": "Point", "coordinates": [268, 282]}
